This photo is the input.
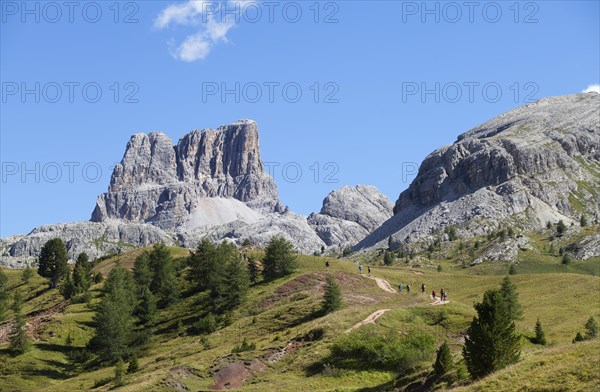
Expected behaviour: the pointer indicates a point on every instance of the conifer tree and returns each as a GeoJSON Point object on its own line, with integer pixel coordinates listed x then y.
{"type": "Point", "coordinates": [280, 259]}
{"type": "Point", "coordinates": [253, 269]}
{"type": "Point", "coordinates": [332, 298]}
{"type": "Point", "coordinates": [113, 320]}
{"type": "Point", "coordinates": [491, 342]}
{"type": "Point", "coordinates": [53, 261]}
{"type": "Point", "coordinates": [388, 258]}
{"type": "Point", "coordinates": [204, 266]}
{"type": "Point", "coordinates": [142, 274]}
{"type": "Point", "coordinates": [561, 228]}
{"type": "Point", "coordinates": [591, 328]}
{"type": "Point", "coordinates": [509, 292]}
{"type": "Point", "coordinates": [164, 280]}
{"type": "Point", "coordinates": [443, 361]}
{"type": "Point", "coordinates": [235, 283]}
{"type": "Point", "coordinates": [82, 279]}
{"type": "Point", "coordinates": [540, 336]}
{"type": "Point", "coordinates": [19, 341]}
{"type": "Point", "coordinates": [27, 274]}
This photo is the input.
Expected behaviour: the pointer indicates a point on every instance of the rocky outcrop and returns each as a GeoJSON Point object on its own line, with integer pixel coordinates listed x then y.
{"type": "Point", "coordinates": [95, 239]}
{"type": "Point", "coordinates": [162, 184]}
{"type": "Point", "coordinates": [349, 214]}
{"type": "Point", "coordinates": [537, 163]}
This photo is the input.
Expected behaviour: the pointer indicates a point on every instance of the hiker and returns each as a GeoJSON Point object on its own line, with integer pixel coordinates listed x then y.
{"type": "Point", "coordinates": [369, 269]}
{"type": "Point", "coordinates": [400, 287]}
{"type": "Point", "coordinates": [408, 288]}
{"type": "Point", "coordinates": [327, 264]}
{"type": "Point", "coordinates": [423, 288]}
{"type": "Point", "coordinates": [443, 295]}
{"type": "Point", "coordinates": [433, 294]}
{"type": "Point", "coordinates": [360, 268]}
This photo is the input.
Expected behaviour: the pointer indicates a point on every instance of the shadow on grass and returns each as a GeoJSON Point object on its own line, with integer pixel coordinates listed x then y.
{"type": "Point", "coordinates": [59, 348]}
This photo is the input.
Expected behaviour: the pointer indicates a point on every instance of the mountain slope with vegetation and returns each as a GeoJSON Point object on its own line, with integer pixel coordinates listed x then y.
{"type": "Point", "coordinates": [279, 335]}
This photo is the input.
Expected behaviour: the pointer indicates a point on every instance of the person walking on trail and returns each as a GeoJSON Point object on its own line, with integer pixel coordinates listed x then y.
{"type": "Point", "coordinates": [433, 294]}
{"type": "Point", "coordinates": [423, 288]}
{"type": "Point", "coordinates": [400, 287]}
{"type": "Point", "coordinates": [327, 264]}
{"type": "Point", "coordinates": [360, 269]}
{"type": "Point", "coordinates": [369, 269]}
{"type": "Point", "coordinates": [443, 293]}
{"type": "Point", "coordinates": [408, 288]}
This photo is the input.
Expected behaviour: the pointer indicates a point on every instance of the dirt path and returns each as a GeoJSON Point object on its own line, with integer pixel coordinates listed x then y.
{"type": "Point", "coordinates": [369, 320]}
{"type": "Point", "coordinates": [438, 301]}
{"type": "Point", "coordinates": [383, 284]}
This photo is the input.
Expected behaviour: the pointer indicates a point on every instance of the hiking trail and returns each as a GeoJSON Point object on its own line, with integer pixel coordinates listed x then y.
{"type": "Point", "coordinates": [369, 320]}
{"type": "Point", "coordinates": [383, 284]}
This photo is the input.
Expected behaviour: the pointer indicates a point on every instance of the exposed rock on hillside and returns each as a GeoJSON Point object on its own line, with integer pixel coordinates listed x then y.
{"type": "Point", "coordinates": [349, 214]}
{"type": "Point", "coordinates": [537, 163]}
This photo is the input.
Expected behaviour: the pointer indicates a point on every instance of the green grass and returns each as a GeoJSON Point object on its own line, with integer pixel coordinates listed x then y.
{"type": "Point", "coordinates": [279, 312]}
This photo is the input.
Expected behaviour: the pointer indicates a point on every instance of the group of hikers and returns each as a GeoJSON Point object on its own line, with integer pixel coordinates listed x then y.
{"type": "Point", "coordinates": [442, 295]}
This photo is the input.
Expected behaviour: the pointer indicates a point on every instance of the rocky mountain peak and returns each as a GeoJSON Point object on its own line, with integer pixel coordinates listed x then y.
{"type": "Point", "coordinates": [160, 183]}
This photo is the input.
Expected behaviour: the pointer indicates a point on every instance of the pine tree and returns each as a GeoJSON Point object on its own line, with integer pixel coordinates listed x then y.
{"type": "Point", "coordinates": [253, 269]}
{"type": "Point", "coordinates": [512, 270]}
{"type": "Point", "coordinates": [443, 361]}
{"type": "Point", "coordinates": [142, 274]}
{"type": "Point", "coordinates": [279, 258]}
{"type": "Point", "coordinates": [388, 258]}
{"type": "Point", "coordinates": [540, 336]}
{"type": "Point", "coordinates": [113, 320]}
{"type": "Point", "coordinates": [27, 274]}
{"type": "Point", "coordinates": [67, 288]}
{"type": "Point", "coordinates": [19, 341]}
{"type": "Point", "coordinates": [566, 259]}
{"type": "Point", "coordinates": [164, 281]}
{"type": "Point", "coordinates": [578, 338]}
{"type": "Point", "coordinates": [509, 292]}
{"type": "Point", "coordinates": [332, 298]}
{"type": "Point", "coordinates": [561, 228]}
{"type": "Point", "coordinates": [235, 282]}
{"type": "Point", "coordinates": [53, 261]}
{"type": "Point", "coordinates": [591, 328]}
{"type": "Point", "coordinates": [491, 342]}
{"type": "Point", "coordinates": [204, 266]}
{"type": "Point", "coordinates": [82, 279]}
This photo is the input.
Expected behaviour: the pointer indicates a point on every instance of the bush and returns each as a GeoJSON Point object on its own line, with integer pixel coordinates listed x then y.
{"type": "Point", "coordinates": [98, 278]}
{"type": "Point", "coordinates": [134, 365]}
{"type": "Point", "coordinates": [206, 325]}
{"type": "Point", "coordinates": [119, 372]}
{"type": "Point", "coordinates": [512, 270]}
{"type": "Point", "coordinates": [313, 335]}
{"type": "Point", "coordinates": [566, 259]}
{"type": "Point", "coordinates": [244, 346]}
{"type": "Point", "coordinates": [367, 348]}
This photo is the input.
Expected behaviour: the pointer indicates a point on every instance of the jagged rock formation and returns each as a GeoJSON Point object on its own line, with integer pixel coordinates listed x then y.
{"type": "Point", "coordinates": [537, 163]}
{"type": "Point", "coordinates": [168, 185]}
{"type": "Point", "coordinates": [349, 214]}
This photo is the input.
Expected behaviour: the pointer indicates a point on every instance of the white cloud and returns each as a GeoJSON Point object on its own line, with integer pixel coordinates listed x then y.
{"type": "Point", "coordinates": [202, 13]}
{"type": "Point", "coordinates": [592, 88]}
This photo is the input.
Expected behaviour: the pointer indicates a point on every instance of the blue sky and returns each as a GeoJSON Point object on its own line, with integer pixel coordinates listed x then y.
{"type": "Point", "coordinates": [360, 66]}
